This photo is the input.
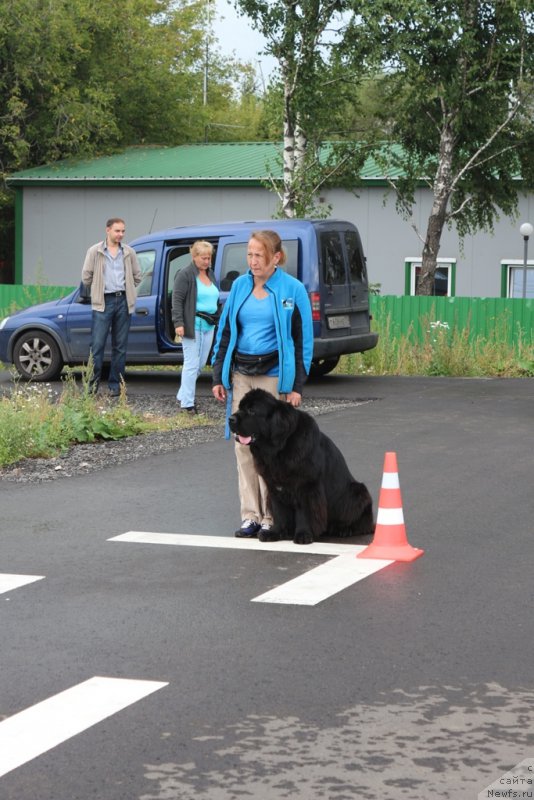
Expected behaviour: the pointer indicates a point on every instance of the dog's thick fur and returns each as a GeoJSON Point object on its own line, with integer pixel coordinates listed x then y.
{"type": "Point", "coordinates": [311, 490]}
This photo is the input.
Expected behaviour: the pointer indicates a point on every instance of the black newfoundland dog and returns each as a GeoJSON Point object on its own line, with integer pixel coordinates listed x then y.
{"type": "Point", "coordinates": [311, 490]}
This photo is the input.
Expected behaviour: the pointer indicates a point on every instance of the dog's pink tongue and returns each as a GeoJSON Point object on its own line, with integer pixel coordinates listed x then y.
{"type": "Point", "coordinates": [244, 439]}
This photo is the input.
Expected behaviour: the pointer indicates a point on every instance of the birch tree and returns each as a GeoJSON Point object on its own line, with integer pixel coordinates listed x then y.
{"type": "Point", "coordinates": [302, 36]}
{"type": "Point", "coordinates": [458, 101]}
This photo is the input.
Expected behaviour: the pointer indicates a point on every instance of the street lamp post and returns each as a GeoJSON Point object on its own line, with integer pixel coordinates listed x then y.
{"type": "Point", "coordinates": [525, 230]}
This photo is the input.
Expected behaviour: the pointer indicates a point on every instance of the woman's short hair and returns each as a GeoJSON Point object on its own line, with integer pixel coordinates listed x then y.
{"type": "Point", "coordinates": [272, 244]}
{"type": "Point", "coordinates": [200, 246]}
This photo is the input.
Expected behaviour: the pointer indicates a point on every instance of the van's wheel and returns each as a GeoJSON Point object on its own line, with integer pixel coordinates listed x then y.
{"type": "Point", "coordinates": [322, 366]}
{"type": "Point", "coordinates": [37, 357]}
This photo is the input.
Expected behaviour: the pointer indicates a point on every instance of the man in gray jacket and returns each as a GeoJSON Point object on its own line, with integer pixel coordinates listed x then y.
{"type": "Point", "coordinates": [112, 271]}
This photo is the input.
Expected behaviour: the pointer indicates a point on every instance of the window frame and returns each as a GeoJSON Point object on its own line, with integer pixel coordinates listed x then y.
{"type": "Point", "coordinates": [411, 262]}
{"type": "Point", "coordinates": [507, 265]}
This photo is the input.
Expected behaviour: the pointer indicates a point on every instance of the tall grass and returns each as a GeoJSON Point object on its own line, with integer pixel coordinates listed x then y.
{"type": "Point", "coordinates": [440, 350]}
{"type": "Point", "coordinates": [35, 422]}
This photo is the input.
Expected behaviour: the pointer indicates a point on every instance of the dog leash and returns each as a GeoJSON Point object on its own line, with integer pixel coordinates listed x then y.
{"type": "Point", "coordinates": [227, 432]}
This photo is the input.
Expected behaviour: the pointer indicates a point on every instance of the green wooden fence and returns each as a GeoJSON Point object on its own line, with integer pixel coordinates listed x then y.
{"type": "Point", "coordinates": [484, 316]}
{"type": "Point", "coordinates": [13, 298]}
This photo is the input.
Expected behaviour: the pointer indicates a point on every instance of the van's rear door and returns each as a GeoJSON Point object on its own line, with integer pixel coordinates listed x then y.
{"type": "Point", "coordinates": [344, 290]}
{"type": "Point", "coordinates": [334, 277]}
{"type": "Point", "coordinates": [359, 286]}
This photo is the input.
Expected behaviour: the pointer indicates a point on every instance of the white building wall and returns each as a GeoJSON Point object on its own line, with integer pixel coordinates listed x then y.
{"type": "Point", "coordinates": [388, 240]}
{"type": "Point", "coordinates": [60, 223]}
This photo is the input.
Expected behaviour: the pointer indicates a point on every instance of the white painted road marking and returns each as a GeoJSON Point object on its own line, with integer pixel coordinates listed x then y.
{"type": "Point", "coordinates": [43, 726]}
{"type": "Point", "coordinates": [8, 582]}
{"type": "Point", "coordinates": [322, 582]}
{"type": "Point", "coordinates": [308, 589]}
{"type": "Point", "coordinates": [231, 543]}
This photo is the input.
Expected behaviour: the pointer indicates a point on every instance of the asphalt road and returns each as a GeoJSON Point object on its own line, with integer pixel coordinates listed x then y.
{"type": "Point", "coordinates": [416, 682]}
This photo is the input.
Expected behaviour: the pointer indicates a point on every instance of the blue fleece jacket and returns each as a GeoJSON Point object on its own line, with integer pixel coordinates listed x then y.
{"type": "Point", "coordinates": [294, 330]}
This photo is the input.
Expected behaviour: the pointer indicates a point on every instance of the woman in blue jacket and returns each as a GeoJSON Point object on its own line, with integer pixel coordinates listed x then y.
{"type": "Point", "coordinates": [265, 341]}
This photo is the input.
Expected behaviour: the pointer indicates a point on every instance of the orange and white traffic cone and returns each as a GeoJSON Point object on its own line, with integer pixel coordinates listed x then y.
{"type": "Point", "coordinates": [390, 540]}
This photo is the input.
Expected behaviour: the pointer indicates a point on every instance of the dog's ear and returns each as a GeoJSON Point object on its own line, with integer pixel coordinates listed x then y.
{"type": "Point", "coordinates": [282, 424]}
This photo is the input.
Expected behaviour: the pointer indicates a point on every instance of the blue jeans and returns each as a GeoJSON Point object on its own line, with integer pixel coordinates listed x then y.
{"type": "Point", "coordinates": [196, 352]}
{"type": "Point", "coordinates": [116, 317]}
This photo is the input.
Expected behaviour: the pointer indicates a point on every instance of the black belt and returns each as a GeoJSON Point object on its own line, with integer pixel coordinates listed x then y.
{"type": "Point", "coordinates": [114, 294]}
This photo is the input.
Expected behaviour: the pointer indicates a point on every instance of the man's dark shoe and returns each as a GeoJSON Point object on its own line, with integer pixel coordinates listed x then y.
{"type": "Point", "coordinates": [190, 410]}
{"type": "Point", "coordinates": [248, 530]}
{"type": "Point", "coordinates": [114, 392]}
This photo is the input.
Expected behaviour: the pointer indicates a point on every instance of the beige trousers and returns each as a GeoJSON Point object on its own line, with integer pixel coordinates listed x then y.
{"type": "Point", "coordinates": [253, 496]}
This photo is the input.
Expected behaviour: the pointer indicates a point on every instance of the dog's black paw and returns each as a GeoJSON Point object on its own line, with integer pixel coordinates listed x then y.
{"type": "Point", "coordinates": [268, 536]}
{"type": "Point", "coordinates": [303, 537]}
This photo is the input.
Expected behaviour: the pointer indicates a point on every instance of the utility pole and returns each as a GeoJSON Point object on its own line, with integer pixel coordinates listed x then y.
{"type": "Point", "coordinates": [207, 51]}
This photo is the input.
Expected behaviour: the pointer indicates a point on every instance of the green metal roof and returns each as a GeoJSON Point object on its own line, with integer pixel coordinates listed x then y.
{"type": "Point", "coordinates": [205, 162]}
{"type": "Point", "coordinates": [199, 164]}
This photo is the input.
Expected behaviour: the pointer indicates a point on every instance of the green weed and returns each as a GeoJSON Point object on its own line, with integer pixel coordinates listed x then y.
{"type": "Point", "coordinates": [440, 350]}
{"type": "Point", "coordinates": [37, 423]}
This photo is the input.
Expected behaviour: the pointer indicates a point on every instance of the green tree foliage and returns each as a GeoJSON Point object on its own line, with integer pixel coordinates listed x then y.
{"type": "Point", "coordinates": [84, 77]}
{"type": "Point", "coordinates": [234, 109]}
{"type": "Point", "coordinates": [457, 97]}
{"type": "Point", "coordinates": [79, 77]}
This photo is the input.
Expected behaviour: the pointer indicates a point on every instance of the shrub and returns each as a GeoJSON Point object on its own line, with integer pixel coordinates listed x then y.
{"type": "Point", "coordinates": [34, 422]}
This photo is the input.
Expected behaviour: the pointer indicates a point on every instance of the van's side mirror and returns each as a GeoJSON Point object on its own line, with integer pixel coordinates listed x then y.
{"type": "Point", "coordinates": [84, 296]}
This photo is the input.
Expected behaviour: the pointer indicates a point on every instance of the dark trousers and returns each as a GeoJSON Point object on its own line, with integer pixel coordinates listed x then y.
{"type": "Point", "coordinates": [115, 317]}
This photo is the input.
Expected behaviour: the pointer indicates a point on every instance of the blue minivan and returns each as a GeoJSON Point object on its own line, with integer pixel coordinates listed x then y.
{"type": "Point", "coordinates": [326, 255]}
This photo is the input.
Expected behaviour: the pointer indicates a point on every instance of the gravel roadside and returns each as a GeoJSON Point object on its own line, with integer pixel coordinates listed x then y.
{"type": "Point", "coordinates": [82, 459]}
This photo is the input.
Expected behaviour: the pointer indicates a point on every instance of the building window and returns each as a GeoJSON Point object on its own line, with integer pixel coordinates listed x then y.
{"type": "Point", "coordinates": [445, 276]}
{"type": "Point", "coordinates": [513, 277]}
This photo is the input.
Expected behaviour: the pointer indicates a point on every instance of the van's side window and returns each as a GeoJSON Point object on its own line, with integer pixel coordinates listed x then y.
{"type": "Point", "coordinates": [234, 261]}
{"type": "Point", "coordinates": [291, 246]}
{"type": "Point", "coordinates": [332, 259]}
{"type": "Point", "coordinates": [146, 260]}
{"type": "Point", "coordinates": [234, 264]}
{"type": "Point", "coordinates": [354, 253]}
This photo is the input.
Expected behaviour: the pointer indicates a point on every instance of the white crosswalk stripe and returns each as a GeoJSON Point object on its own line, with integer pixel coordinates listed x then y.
{"type": "Point", "coordinates": [322, 582]}
{"type": "Point", "coordinates": [41, 727]}
{"type": "Point", "coordinates": [9, 581]}
{"type": "Point", "coordinates": [308, 589]}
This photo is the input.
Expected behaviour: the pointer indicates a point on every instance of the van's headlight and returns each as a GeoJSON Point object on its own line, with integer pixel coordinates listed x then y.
{"type": "Point", "coordinates": [4, 322]}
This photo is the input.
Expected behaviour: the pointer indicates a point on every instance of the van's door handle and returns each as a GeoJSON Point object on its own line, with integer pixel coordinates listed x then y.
{"type": "Point", "coordinates": [143, 312]}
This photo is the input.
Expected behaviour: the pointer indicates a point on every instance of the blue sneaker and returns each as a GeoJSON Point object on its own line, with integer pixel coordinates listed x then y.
{"type": "Point", "coordinates": [248, 530]}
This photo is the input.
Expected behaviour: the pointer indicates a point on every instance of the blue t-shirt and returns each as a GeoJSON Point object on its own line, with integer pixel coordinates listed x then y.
{"type": "Point", "coordinates": [207, 298]}
{"type": "Point", "coordinates": [257, 332]}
